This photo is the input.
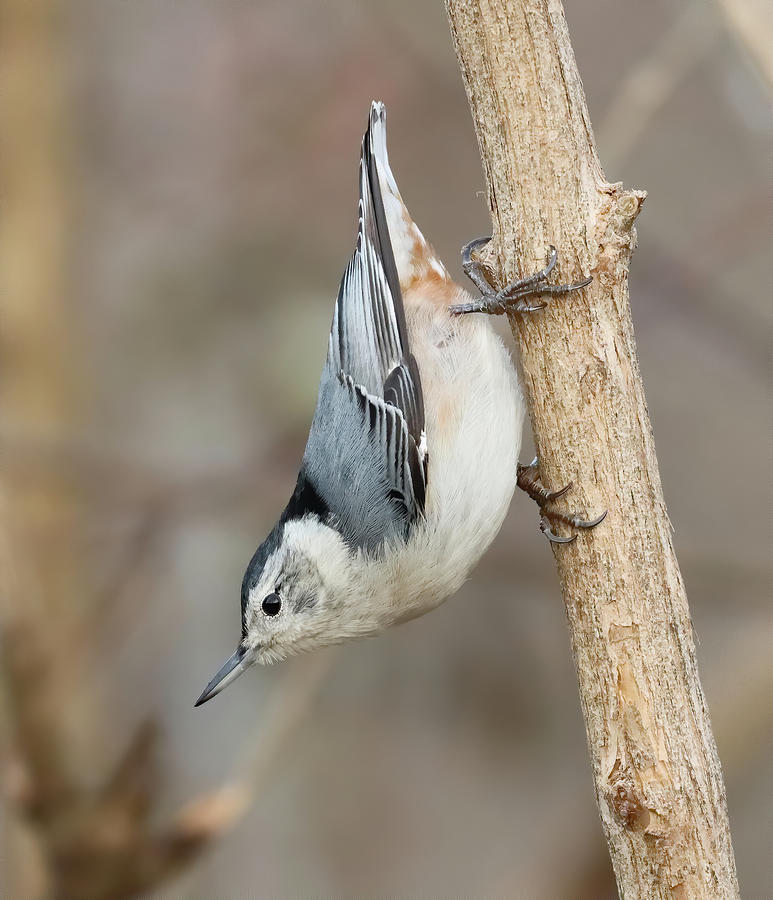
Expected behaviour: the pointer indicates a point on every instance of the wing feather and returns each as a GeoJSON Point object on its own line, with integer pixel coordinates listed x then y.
{"type": "Point", "coordinates": [405, 473]}
{"type": "Point", "coordinates": [369, 354]}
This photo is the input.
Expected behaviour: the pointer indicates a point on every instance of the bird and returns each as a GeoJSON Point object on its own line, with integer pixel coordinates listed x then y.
{"type": "Point", "coordinates": [412, 455]}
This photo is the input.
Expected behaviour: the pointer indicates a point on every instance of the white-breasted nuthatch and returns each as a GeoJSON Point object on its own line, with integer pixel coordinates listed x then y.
{"type": "Point", "coordinates": [412, 457]}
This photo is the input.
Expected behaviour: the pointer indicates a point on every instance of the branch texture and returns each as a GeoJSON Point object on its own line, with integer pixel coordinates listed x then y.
{"type": "Point", "coordinates": [657, 773]}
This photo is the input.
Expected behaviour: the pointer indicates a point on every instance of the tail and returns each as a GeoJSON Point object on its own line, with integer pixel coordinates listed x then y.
{"type": "Point", "coordinates": [414, 257]}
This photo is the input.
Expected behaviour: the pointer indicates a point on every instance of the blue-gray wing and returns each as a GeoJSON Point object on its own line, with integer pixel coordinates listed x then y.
{"type": "Point", "coordinates": [359, 462]}
{"type": "Point", "coordinates": [367, 453]}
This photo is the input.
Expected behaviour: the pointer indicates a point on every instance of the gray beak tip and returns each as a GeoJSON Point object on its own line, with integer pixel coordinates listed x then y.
{"type": "Point", "coordinates": [206, 694]}
{"type": "Point", "coordinates": [228, 672]}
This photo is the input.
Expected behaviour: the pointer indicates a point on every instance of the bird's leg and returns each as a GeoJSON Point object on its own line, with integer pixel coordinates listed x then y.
{"type": "Point", "coordinates": [511, 297]}
{"type": "Point", "coordinates": [528, 480]}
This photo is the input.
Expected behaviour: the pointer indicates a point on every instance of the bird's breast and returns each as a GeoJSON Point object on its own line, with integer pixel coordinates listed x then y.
{"type": "Point", "coordinates": [474, 416]}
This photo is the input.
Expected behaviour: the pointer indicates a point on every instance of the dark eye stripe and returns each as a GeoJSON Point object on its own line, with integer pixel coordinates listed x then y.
{"type": "Point", "coordinates": [271, 604]}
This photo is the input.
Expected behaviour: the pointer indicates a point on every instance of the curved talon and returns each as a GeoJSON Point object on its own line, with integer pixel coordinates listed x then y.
{"type": "Point", "coordinates": [574, 521]}
{"type": "Point", "coordinates": [578, 285]}
{"type": "Point", "coordinates": [475, 272]}
{"type": "Point", "coordinates": [554, 495]}
{"type": "Point", "coordinates": [544, 527]}
{"type": "Point", "coordinates": [579, 523]}
{"type": "Point", "coordinates": [470, 246]}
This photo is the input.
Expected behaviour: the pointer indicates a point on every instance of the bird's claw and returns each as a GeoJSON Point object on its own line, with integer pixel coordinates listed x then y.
{"type": "Point", "coordinates": [554, 495]}
{"type": "Point", "coordinates": [544, 527]}
{"type": "Point", "coordinates": [529, 481]}
{"type": "Point", "coordinates": [511, 297]}
{"type": "Point", "coordinates": [583, 523]}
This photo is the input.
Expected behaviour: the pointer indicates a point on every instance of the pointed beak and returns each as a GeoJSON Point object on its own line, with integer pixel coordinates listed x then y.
{"type": "Point", "coordinates": [231, 669]}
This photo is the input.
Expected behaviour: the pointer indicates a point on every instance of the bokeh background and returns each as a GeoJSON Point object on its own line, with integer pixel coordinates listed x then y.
{"type": "Point", "coordinates": [178, 187]}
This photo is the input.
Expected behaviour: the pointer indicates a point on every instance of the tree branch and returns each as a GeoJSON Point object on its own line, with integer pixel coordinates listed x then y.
{"type": "Point", "coordinates": [658, 779]}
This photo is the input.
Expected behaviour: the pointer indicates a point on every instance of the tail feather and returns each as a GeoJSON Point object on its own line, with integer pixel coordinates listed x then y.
{"type": "Point", "coordinates": [414, 257]}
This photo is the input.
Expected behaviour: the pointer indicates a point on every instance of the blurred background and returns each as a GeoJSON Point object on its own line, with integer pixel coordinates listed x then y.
{"type": "Point", "coordinates": [179, 185]}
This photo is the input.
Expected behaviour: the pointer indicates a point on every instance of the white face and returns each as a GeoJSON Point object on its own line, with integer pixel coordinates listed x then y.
{"type": "Point", "coordinates": [301, 598]}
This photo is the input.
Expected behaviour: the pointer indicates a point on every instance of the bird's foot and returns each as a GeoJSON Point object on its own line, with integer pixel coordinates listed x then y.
{"type": "Point", "coordinates": [512, 297]}
{"type": "Point", "coordinates": [529, 481]}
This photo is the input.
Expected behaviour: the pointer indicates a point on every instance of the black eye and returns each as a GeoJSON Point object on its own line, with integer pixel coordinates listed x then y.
{"type": "Point", "coordinates": [271, 604]}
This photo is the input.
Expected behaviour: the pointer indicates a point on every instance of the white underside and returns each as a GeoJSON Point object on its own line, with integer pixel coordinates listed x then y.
{"type": "Point", "coordinates": [474, 417]}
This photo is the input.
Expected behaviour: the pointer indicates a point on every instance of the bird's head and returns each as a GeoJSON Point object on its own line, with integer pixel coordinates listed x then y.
{"type": "Point", "coordinates": [295, 597]}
